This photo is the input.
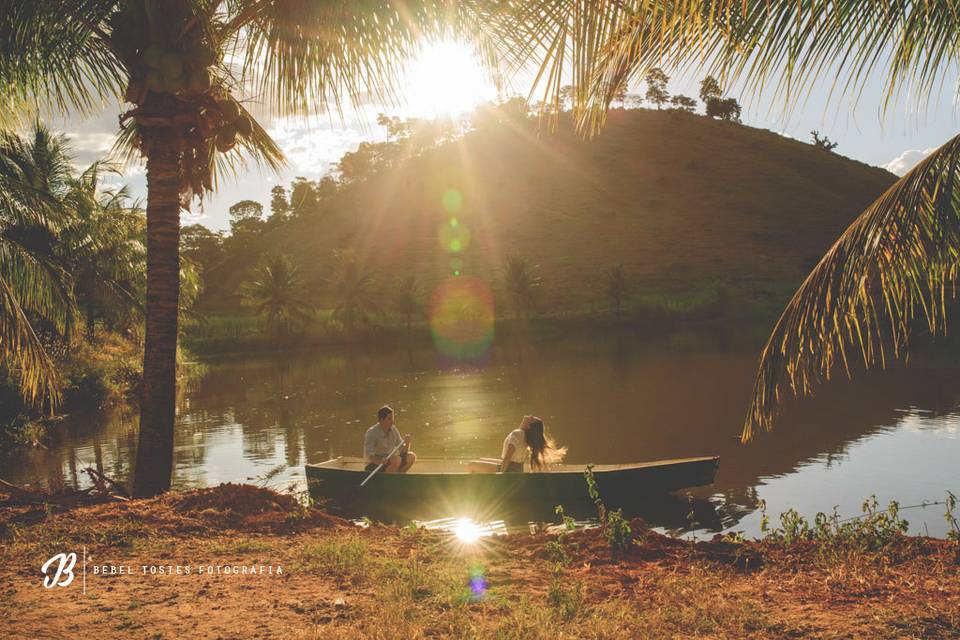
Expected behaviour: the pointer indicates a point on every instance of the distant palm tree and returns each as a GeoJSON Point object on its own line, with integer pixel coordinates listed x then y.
{"type": "Point", "coordinates": [408, 298]}
{"type": "Point", "coordinates": [102, 245]}
{"type": "Point", "coordinates": [617, 287]}
{"type": "Point", "coordinates": [353, 291]}
{"type": "Point", "coordinates": [276, 290]}
{"type": "Point", "coordinates": [523, 285]}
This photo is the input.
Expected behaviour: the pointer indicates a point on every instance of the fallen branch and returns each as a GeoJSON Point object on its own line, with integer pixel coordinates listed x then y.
{"type": "Point", "coordinates": [99, 492]}
{"type": "Point", "coordinates": [19, 492]}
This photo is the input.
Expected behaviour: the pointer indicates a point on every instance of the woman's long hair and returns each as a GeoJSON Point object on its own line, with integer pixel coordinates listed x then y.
{"type": "Point", "coordinates": [542, 448]}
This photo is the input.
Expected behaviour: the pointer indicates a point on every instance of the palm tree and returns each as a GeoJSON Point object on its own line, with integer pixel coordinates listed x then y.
{"type": "Point", "coordinates": [182, 66]}
{"type": "Point", "coordinates": [86, 241]}
{"type": "Point", "coordinates": [408, 298]}
{"type": "Point", "coordinates": [34, 184]}
{"type": "Point", "coordinates": [898, 261]}
{"type": "Point", "coordinates": [102, 246]}
{"type": "Point", "coordinates": [617, 287]}
{"type": "Point", "coordinates": [353, 291]}
{"type": "Point", "coordinates": [276, 290]}
{"type": "Point", "coordinates": [523, 284]}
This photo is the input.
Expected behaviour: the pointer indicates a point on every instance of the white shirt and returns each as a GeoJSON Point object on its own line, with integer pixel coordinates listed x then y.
{"type": "Point", "coordinates": [377, 443]}
{"type": "Point", "coordinates": [519, 442]}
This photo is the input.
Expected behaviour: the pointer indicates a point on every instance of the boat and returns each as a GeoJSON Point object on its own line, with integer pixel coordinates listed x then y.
{"type": "Point", "coordinates": [338, 480]}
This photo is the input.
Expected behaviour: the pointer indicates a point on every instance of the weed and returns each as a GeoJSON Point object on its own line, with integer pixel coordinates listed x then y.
{"type": "Point", "coordinates": [875, 530]}
{"type": "Point", "coordinates": [567, 600]}
{"type": "Point", "coordinates": [616, 529]}
{"type": "Point", "coordinates": [954, 533]}
{"type": "Point", "coordinates": [556, 552]}
{"type": "Point", "coordinates": [569, 523]}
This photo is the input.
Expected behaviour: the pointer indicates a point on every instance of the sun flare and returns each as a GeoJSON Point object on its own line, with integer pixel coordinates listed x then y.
{"type": "Point", "coordinates": [467, 531]}
{"type": "Point", "coordinates": [446, 79]}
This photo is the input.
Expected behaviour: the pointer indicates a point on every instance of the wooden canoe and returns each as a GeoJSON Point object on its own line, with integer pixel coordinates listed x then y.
{"type": "Point", "coordinates": [338, 480]}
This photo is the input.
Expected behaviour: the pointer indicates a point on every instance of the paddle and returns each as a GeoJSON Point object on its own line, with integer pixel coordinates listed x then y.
{"type": "Point", "coordinates": [385, 460]}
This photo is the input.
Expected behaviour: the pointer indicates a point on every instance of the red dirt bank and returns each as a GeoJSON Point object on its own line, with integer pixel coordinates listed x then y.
{"type": "Point", "coordinates": [338, 580]}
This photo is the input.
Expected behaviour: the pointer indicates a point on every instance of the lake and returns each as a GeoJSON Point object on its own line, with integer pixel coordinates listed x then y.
{"type": "Point", "coordinates": [259, 418]}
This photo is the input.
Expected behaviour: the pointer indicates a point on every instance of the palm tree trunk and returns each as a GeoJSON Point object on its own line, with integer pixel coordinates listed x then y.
{"type": "Point", "coordinates": [154, 465]}
{"type": "Point", "coordinates": [91, 319]}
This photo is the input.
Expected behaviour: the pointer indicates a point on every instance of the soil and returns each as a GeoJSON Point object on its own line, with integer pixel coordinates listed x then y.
{"type": "Point", "coordinates": [289, 572]}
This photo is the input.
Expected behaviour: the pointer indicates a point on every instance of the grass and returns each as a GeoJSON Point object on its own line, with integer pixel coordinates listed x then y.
{"type": "Point", "coordinates": [348, 558]}
{"type": "Point", "coordinates": [371, 582]}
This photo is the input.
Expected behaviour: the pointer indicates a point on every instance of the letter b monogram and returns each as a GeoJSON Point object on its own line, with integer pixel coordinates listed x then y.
{"type": "Point", "coordinates": [64, 574]}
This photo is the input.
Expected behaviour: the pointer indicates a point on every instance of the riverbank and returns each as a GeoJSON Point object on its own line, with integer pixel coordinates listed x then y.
{"type": "Point", "coordinates": [713, 309]}
{"type": "Point", "coordinates": [310, 575]}
{"type": "Point", "coordinates": [103, 373]}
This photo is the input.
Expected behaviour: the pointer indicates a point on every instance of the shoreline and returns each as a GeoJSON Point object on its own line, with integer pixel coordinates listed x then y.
{"type": "Point", "coordinates": [341, 580]}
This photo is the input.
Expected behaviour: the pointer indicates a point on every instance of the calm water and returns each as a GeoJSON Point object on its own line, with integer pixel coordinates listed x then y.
{"type": "Point", "coordinates": [259, 419]}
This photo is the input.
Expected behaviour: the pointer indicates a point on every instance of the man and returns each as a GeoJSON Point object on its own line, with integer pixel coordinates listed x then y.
{"type": "Point", "coordinates": [381, 439]}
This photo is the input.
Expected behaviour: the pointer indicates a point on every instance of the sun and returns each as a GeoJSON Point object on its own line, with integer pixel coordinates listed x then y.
{"type": "Point", "coordinates": [446, 80]}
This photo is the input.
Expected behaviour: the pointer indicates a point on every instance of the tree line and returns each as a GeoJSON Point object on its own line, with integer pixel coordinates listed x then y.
{"type": "Point", "coordinates": [277, 291]}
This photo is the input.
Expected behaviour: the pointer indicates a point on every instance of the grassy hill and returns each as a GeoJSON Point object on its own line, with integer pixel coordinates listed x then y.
{"type": "Point", "coordinates": [687, 204]}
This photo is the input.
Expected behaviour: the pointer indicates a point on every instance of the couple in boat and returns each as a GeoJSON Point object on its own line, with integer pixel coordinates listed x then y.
{"type": "Point", "coordinates": [383, 445]}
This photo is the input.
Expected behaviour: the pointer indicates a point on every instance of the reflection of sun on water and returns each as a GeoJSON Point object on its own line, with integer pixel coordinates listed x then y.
{"type": "Point", "coordinates": [446, 79]}
{"type": "Point", "coordinates": [467, 531]}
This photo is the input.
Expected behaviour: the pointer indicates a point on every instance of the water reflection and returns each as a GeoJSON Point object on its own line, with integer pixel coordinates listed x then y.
{"type": "Point", "coordinates": [892, 434]}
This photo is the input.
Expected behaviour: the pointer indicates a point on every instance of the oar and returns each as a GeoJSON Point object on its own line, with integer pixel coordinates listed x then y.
{"type": "Point", "coordinates": [385, 460]}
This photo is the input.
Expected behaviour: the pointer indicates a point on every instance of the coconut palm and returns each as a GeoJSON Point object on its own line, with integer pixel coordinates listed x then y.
{"type": "Point", "coordinates": [86, 239]}
{"type": "Point", "coordinates": [182, 68]}
{"type": "Point", "coordinates": [34, 185]}
{"type": "Point", "coordinates": [276, 290]}
{"type": "Point", "coordinates": [523, 284]}
{"type": "Point", "coordinates": [353, 286]}
{"type": "Point", "coordinates": [897, 262]}
{"type": "Point", "coordinates": [617, 287]}
{"type": "Point", "coordinates": [101, 245]}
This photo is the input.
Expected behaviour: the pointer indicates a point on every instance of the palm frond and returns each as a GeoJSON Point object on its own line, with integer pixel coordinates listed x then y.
{"type": "Point", "coordinates": [303, 54]}
{"type": "Point", "coordinates": [564, 41]}
{"type": "Point", "coordinates": [786, 46]}
{"type": "Point", "coordinates": [54, 55]}
{"type": "Point", "coordinates": [19, 345]}
{"type": "Point", "coordinates": [896, 263]}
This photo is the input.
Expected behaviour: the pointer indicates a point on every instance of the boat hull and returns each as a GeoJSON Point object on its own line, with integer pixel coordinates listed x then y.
{"type": "Point", "coordinates": [616, 486]}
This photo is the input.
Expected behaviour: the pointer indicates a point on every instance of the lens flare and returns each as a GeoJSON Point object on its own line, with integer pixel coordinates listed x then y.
{"type": "Point", "coordinates": [477, 582]}
{"type": "Point", "coordinates": [452, 201]}
{"type": "Point", "coordinates": [462, 318]}
{"type": "Point", "coordinates": [467, 531]}
{"type": "Point", "coordinates": [454, 236]}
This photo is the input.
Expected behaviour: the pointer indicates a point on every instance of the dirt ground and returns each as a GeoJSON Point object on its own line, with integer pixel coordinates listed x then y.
{"type": "Point", "coordinates": [253, 564]}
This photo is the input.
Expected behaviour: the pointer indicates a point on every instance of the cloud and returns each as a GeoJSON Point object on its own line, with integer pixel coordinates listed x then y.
{"type": "Point", "coordinates": [87, 147]}
{"type": "Point", "coordinates": [907, 160]}
{"type": "Point", "coordinates": [312, 149]}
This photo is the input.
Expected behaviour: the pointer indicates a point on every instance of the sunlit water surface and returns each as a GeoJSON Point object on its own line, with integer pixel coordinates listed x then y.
{"type": "Point", "coordinates": [260, 418]}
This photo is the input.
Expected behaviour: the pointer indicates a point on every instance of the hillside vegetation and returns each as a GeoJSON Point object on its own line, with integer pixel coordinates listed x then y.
{"type": "Point", "coordinates": [685, 203]}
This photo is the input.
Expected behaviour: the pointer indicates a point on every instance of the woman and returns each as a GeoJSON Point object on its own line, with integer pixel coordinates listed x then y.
{"type": "Point", "coordinates": [530, 436]}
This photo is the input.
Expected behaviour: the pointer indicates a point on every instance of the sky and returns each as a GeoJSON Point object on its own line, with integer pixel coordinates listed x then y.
{"type": "Point", "coordinates": [446, 79]}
